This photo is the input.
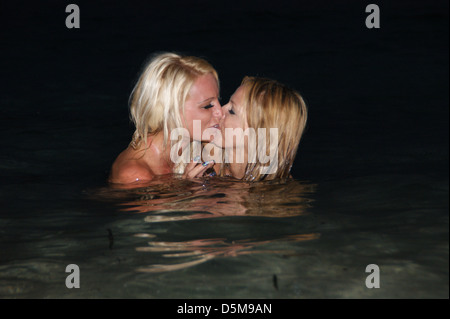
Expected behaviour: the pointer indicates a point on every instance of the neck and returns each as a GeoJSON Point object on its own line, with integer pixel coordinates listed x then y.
{"type": "Point", "coordinates": [158, 154]}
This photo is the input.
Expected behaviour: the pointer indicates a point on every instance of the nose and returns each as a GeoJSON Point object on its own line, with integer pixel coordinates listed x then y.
{"type": "Point", "coordinates": [217, 111]}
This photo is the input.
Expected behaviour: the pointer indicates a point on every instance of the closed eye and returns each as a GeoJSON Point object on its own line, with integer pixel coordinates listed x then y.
{"type": "Point", "coordinates": [208, 106]}
{"type": "Point", "coordinates": [231, 111]}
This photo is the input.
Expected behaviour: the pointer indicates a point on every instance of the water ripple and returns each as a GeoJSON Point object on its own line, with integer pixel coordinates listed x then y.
{"type": "Point", "coordinates": [168, 199]}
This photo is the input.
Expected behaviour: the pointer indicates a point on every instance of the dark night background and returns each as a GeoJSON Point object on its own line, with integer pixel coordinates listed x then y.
{"type": "Point", "coordinates": [376, 141]}
{"type": "Point", "coordinates": [378, 98]}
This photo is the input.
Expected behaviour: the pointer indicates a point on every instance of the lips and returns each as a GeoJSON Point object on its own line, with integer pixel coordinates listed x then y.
{"type": "Point", "coordinates": [217, 126]}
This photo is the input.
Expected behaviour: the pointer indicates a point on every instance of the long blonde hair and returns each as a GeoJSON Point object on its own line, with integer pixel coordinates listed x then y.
{"type": "Point", "coordinates": [270, 104]}
{"type": "Point", "coordinates": [158, 97]}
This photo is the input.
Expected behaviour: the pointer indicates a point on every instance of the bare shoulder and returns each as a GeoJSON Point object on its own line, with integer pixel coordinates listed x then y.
{"type": "Point", "coordinates": [127, 170]}
{"type": "Point", "coordinates": [130, 172]}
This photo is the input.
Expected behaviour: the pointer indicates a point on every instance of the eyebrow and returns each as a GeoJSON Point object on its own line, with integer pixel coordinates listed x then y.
{"type": "Point", "coordinates": [207, 100]}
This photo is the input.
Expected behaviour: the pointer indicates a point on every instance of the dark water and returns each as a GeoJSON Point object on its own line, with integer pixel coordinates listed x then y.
{"type": "Point", "coordinates": [371, 176]}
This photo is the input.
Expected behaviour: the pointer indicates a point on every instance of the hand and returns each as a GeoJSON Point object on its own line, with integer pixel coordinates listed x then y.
{"type": "Point", "coordinates": [196, 169]}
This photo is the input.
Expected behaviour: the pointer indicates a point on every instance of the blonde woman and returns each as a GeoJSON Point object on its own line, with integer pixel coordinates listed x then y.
{"type": "Point", "coordinates": [173, 92]}
{"type": "Point", "coordinates": [261, 130]}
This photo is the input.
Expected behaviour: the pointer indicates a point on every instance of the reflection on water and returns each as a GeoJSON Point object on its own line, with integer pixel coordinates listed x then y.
{"type": "Point", "coordinates": [202, 250]}
{"type": "Point", "coordinates": [168, 199]}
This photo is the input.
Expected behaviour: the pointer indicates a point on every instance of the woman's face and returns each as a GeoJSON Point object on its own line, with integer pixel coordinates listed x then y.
{"type": "Point", "coordinates": [203, 105]}
{"type": "Point", "coordinates": [234, 121]}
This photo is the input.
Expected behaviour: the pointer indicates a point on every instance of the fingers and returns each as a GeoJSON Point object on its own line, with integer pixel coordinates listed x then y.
{"type": "Point", "coordinates": [200, 169]}
{"type": "Point", "coordinates": [191, 165]}
{"type": "Point", "coordinates": [195, 169]}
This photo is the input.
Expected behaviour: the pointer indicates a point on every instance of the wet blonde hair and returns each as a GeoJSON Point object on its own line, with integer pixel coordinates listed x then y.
{"type": "Point", "coordinates": [158, 98]}
{"type": "Point", "coordinates": [270, 104]}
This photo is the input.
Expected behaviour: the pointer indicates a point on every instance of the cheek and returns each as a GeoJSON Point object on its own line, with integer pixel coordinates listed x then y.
{"type": "Point", "coordinates": [197, 115]}
{"type": "Point", "coordinates": [203, 116]}
{"type": "Point", "coordinates": [226, 121]}
{"type": "Point", "coordinates": [233, 122]}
